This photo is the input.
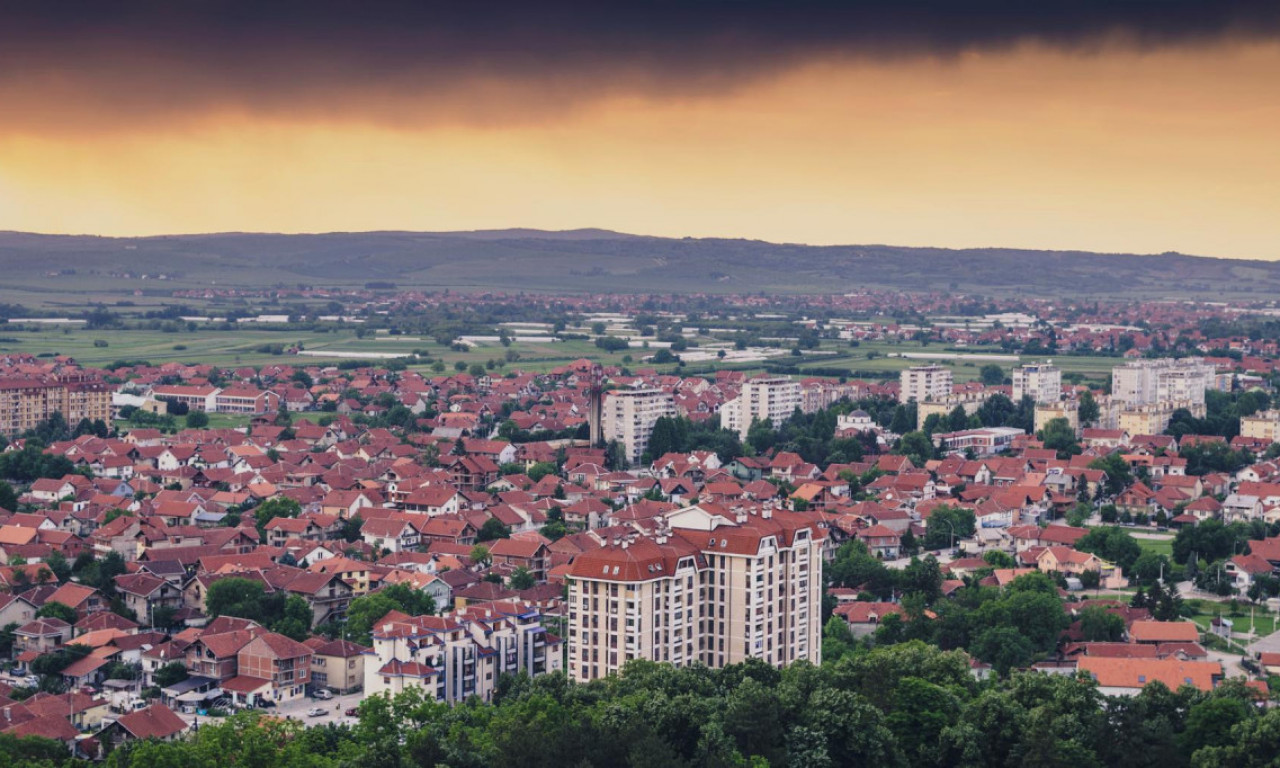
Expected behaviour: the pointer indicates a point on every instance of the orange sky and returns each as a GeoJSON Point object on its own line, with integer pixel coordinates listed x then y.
{"type": "Point", "coordinates": [1108, 150]}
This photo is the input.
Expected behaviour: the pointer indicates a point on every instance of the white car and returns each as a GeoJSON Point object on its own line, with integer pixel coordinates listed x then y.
{"type": "Point", "coordinates": [317, 712]}
{"type": "Point", "coordinates": [323, 693]}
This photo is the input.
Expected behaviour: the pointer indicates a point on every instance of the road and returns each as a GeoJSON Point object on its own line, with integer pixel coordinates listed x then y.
{"type": "Point", "coordinates": [297, 710]}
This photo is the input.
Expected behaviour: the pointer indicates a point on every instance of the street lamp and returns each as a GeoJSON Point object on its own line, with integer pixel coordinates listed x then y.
{"type": "Point", "coordinates": [953, 533]}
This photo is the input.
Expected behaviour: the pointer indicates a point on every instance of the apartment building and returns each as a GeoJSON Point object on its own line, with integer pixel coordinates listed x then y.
{"type": "Point", "coordinates": [924, 383]}
{"type": "Point", "coordinates": [1264, 425]}
{"type": "Point", "coordinates": [1042, 382]}
{"type": "Point", "coordinates": [1154, 418]}
{"type": "Point", "coordinates": [26, 401]}
{"type": "Point", "coordinates": [461, 655]}
{"type": "Point", "coordinates": [1147, 382]}
{"type": "Point", "coordinates": [710, 585]}
{"type": "Point", "coordinates": [767, 397]}
{"type": "Point", "coordinates": [1060, 409]}
{"type": "Point", "coordinates": [629, 416]}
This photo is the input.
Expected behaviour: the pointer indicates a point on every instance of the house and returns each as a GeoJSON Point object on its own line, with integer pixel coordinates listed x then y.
{"type": "Point", "coordinates": [337, 665]}
{"type": "Point", "coordinates": [525, 551]}
{"type": "Point", "coordinates": [390, 534]}
{"type": "Point", "coordinates": [143, 594]}
{"type": "Point", "coordinates": [154, 722]}
{"type": "Point", "coordinates": [1164, 632]}
{"type": "Point", "coordinates": [40, 636]}
{"type": "Point", "coordinates": [15, 609]}
{"type": "Point", "coordinates": [1127, 677]}
{"type": "Point", "coordinates": [83, 600]}
{"type": "Point", "coordinates": [272, 667]}
{"type": "Point", "coordinates": [864, 617]}
{"type": "Point", "coordinates": [881, 541]}
{"type": "Point", "coordinates": [1244, 569]}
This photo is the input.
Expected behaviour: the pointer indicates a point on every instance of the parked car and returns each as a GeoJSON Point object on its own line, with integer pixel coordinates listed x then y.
{"type": "Point", "coordinates": [352, 712]}
{"type": "Point", "coordinates": [30, 681]}
{"type": "Point", "coordinates": [323, 693]}
{"type": "Point", "coordinates": [316, 712]}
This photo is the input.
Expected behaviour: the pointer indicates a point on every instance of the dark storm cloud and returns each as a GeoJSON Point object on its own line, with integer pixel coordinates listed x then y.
{"type": "Point", "coordinates": [146, 57]}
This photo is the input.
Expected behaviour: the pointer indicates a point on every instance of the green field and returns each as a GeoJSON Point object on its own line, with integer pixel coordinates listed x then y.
{"type": "Point", "coordinates": [243, 347]}
{"type": "Point", "coordinates": [1157, 546]}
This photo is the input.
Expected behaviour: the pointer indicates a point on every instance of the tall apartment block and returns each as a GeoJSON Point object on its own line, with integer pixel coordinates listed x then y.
{"type": "Point", "coordinates": [629, 416]}
{"type": "Point", "coordinates": [707, 585]}
{"type": "Point", "coordinates": [767, 397]}
{"type": "Point", "coordinates": [26, 401]}
{"type": "Point", "coordinates": [1041, 381]}
{"type": "Point", "coordinates": [1146, 382]}
{"type": "Point", "coordinates": [925, 383]}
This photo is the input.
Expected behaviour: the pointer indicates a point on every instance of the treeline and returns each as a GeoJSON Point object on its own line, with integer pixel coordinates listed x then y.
{"type": "Point", "coordinates": [898, 706]}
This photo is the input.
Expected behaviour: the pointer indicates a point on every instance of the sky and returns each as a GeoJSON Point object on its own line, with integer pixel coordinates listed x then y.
{"type": "Point", "coordinates": [1119, 126]}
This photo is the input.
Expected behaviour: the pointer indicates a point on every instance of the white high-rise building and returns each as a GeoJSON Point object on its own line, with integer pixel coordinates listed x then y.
{"type": "Point", "coordinates": [1041, 381]}
{"type": "Point", "coordinates": [768, 397]}
{"type": "Point", "coordinates": [629, 416]}
{"type": "Point", "coordinates": [1145, 382]}
{"type": "Point", "coordinates": [925, 383]}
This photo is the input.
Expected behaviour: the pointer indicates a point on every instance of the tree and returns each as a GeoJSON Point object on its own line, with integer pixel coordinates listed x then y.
{"type": "Point", "coordinates": [366, 610]}
{"type": "Point", "coordinates": [991, 374]}
{"type": "Point", "coordinates": [947, 525]}
{"type": "Point", "coordinates": [1058, 435]}
{"type": "Point", "coordinates": [479, 554]}
{"type": "Point", "coordinates": [277, 506]}
{"type": "Point", "coordinates": [1119, 475]}
{"type": "Point", "coordinates": [238, 597]}
{"type": "Point", "coordinates": [1089, 411]}
{"type": "Point", "coordinates": [521, 578]}
{"type": "Point", "coordinates": [1004, 648]}
{"type": "Point", "coordinates": [56, 610]}
{"type": "Point", "coordinates": [492, 529]}
{"type": "Point", "coordinates": [1115, 545]}
{"type": "Point", "coordinates": [8, 497]}
{"type": "Point", "coordinates": [170, 674]}
{"type": "Point", "coordinates": [197, 420]}
{"type": "Point", "coordinates": [1099, 625]}
{"type": "Point", "coordinates": [917, 447]}
{"type": "Point", "coordinates": [162, 616]}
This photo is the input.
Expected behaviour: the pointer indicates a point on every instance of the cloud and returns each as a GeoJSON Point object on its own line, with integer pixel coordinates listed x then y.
{"type": "Point", "coordinates": [95, 63]}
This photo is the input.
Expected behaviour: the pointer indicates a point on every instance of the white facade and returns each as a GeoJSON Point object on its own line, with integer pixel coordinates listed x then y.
{"type": "Point", "coordinates": [924, 383]}
{"type": "Point", "coordinates": [629, 416]}
{"type": "Point", "coordinates": [1041, 381]}
{"type": "Point", "coordinates": [772, 397]}
{"type": "Point", "coordinates": [1144, 382]}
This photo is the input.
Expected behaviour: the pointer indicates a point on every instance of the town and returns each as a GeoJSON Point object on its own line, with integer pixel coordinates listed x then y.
{"type": "Point", "coordinates": [184, 541]}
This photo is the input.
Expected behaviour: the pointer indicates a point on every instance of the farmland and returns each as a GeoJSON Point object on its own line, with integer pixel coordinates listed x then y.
{"type": "Point", "coordinates": [260, 346]}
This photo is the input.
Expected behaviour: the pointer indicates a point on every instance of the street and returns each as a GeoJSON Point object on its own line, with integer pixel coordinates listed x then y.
{"type": "Point", "coordinates": [297, 710]}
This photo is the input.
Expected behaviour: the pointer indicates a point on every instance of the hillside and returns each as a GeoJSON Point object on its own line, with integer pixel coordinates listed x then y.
{"type": "Point", "coordinates": [602, 261]}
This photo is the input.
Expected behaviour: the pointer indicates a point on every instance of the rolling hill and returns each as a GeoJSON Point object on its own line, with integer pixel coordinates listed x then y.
{"type": "Point", "coordinates": [600, 261]}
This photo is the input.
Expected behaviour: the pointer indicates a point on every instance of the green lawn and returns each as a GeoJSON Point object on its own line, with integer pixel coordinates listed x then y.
{"type": "Point", "coordinates": [1245, 616]}
{"type": "Point", "coordinates": [1157, 546]}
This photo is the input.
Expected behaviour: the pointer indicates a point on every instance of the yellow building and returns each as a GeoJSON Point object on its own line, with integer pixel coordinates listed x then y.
{"type": "Point", "coordinates": [1063, 409]}
{"type": "Point", "coordinates": [1264, 425]}
{"type": "Point", "coordinates": [26, 401]}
